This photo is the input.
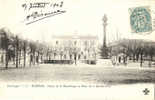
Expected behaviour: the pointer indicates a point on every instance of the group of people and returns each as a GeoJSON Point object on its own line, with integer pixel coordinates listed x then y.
{"type": "Point", "coordinates": [117, 60]}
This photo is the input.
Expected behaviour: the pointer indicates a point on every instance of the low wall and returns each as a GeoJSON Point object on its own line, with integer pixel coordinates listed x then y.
{"type": "Point", "coordinates": [59, 61]}
{"type": "Point", "coordinates": [68, 61]}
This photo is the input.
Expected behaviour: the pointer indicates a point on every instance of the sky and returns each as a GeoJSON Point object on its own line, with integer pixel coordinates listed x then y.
{"type": "Point", "coordinates": [83, 17]}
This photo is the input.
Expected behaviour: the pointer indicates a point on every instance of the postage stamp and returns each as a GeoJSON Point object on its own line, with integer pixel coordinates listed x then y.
{"type": "Point", "coordinates": [140, 20]}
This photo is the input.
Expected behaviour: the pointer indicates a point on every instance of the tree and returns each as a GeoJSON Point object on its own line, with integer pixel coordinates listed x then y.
{"type": "Point", "coordinates": [13, 44]}
{"type": "Point", "coordinates": [24, 48]}
{"type": "Point", "coordinates": [17, 49]}
{"type": "Point", "coordinates": [150, 51]}
{"type": "Point", "coordinates": [5, 44]}
{"type": "Point", "coordinates": [32, 46]}
{"type": "Point", "coordinates": [130, 48]}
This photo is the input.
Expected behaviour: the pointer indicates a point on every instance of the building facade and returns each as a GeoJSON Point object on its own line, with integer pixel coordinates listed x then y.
{"type": "Point", "coordinates": [74, 47]}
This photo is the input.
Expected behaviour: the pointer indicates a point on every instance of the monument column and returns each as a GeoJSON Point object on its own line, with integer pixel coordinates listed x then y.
{"type": "Point", "coordinates": [105, 53]}
{"type": "Point", "coordinates": [104, 30]}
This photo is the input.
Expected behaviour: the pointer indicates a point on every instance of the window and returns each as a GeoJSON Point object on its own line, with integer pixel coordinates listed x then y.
{"type": "Point", "coordinates": [57, 42]}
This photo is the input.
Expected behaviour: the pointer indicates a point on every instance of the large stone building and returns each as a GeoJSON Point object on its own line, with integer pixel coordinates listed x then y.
{"type": "Point", "coordinates": [78, 47]}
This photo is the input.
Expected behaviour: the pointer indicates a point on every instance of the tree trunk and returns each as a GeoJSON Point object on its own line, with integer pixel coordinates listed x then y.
{"type": "Point", "coordinates": [17, 52]}
{"type": "Point", "coordinates": [137, 57]}
{"type": "Point", "coordinates": [38, 58]}
{"type": "Point", "coordinates": [19, 57]}
{"type": "Point", "coordinates": [150, 61]}
{"type": "Point", "coordinates": [133, 57]}
{"type": "Point", "coordinates": [14, 60]}
{"type": "Point", "coordinates": [14, 50]}
{"type": "Point", "coordinates": [34, 58]}
{"type": "Point", "coordinates": [141, 59]}
{"type": "Point", "coordinates": [6, 59]}
{"type": "Point", "coordinates": [31, 59]}
{"type": "Point", "coordinates": [24, 57]}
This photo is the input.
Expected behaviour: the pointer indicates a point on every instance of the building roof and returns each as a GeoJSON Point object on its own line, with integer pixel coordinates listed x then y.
{"type": "Point", "coordinates": [76, 37]}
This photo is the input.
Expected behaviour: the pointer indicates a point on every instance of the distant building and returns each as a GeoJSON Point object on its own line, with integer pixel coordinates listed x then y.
{"type": "Point", "coordinates": [74, 47]}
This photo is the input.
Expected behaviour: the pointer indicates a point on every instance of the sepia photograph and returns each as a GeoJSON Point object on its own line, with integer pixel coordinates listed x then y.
{"type": "Point", "coordinates": [77, 49]}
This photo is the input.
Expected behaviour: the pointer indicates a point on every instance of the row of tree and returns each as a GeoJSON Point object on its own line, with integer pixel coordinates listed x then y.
{"type": "Point", "coordinates": [135, 49]}
{"type": "Point", "coordinates": [17, 49]}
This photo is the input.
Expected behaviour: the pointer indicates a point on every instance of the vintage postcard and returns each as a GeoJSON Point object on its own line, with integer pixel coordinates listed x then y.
{"type": "Point", "coordinates": [77, 50]}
